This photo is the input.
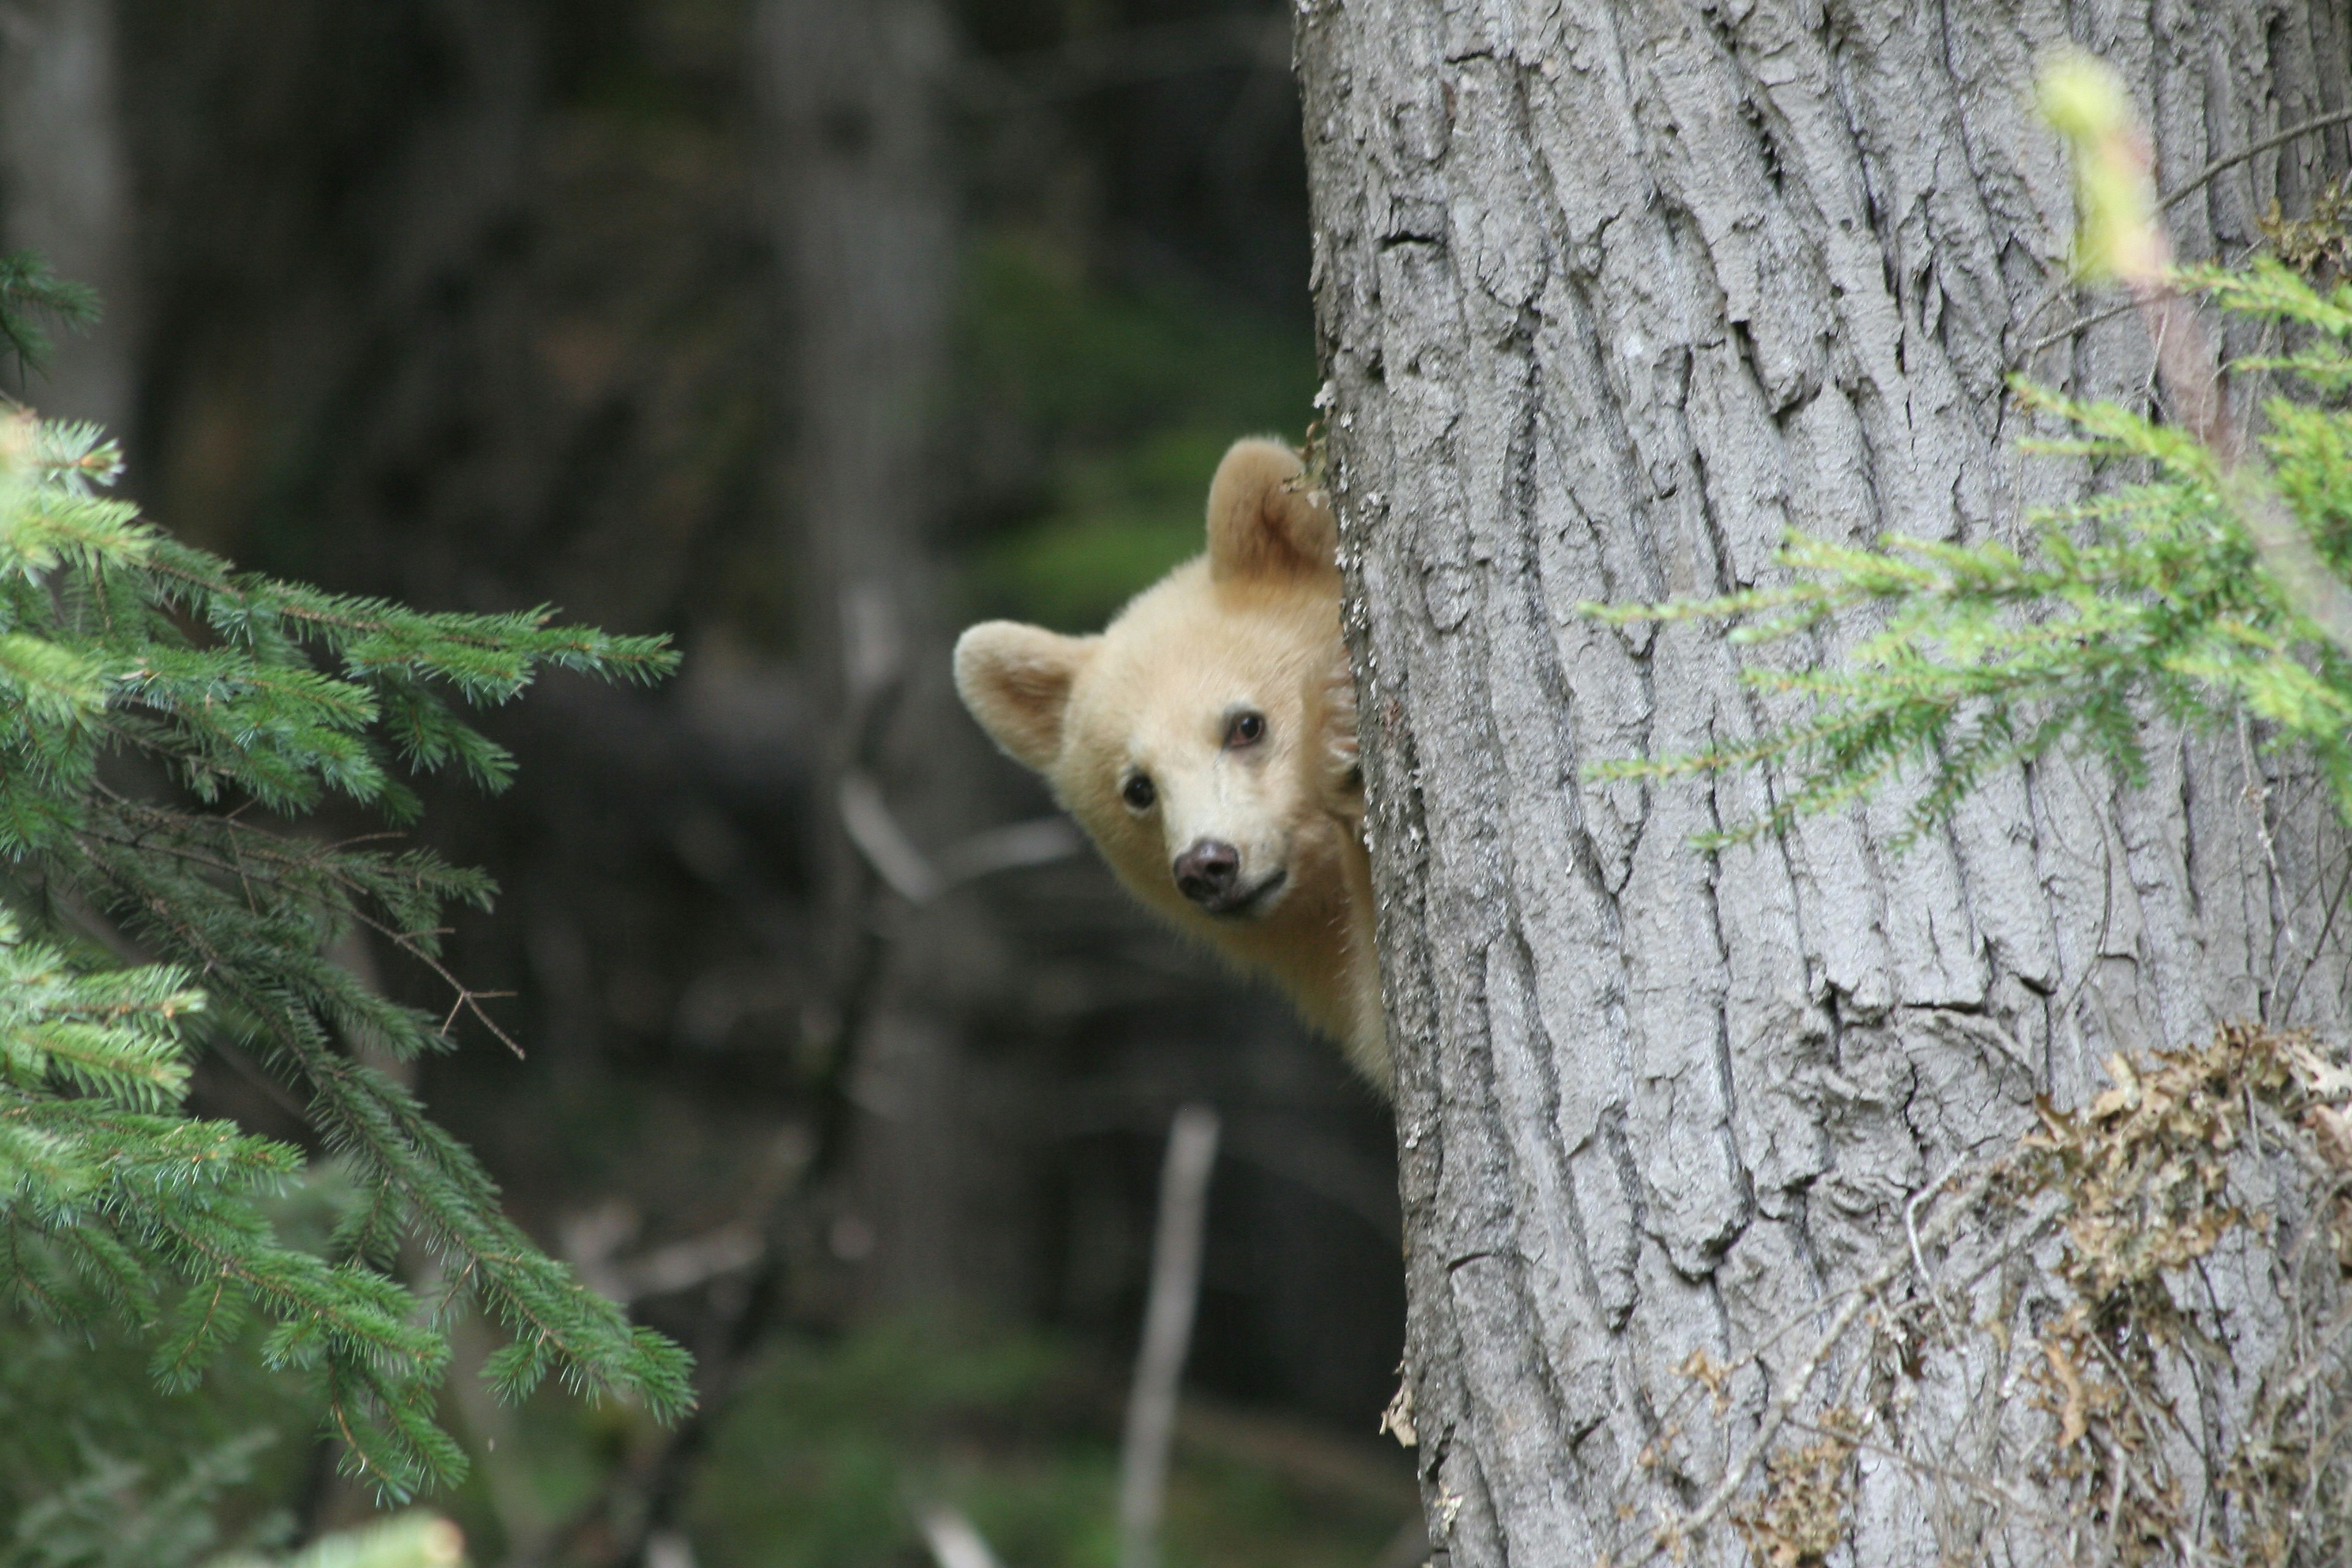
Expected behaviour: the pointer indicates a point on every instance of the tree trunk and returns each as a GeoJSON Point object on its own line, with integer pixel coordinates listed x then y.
{"type": "Point", "coordinates": [64, 191]}
{"type": "Point", "coordinates": [1611, 296]}
{"type": "Point", "coordinates": [867, 222]}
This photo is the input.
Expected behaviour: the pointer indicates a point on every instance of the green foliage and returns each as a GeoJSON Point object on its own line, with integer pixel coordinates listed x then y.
{"type": "Point", "coordinates": [1130, 399]}
{"type": "Point", "coordinates": [113, 1514]}
{"type": "Point", "coordinates": [842, 1431]}
{"type": "Point", "coordinates": [27, 289]}
{"type": "Point", "coordinates": [155, 706]}
{"type": "Point", "coordinates": [92, 1453]}
{"type": "Point", "coordinates": [2147, 600]}
{"type": "Point", "coordinates": [412, 1540]}
{"type": "Point", "coordinates": [825, 1459]}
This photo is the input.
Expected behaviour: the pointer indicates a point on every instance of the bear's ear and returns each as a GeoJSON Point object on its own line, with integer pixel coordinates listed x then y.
{"type": "Point", "coordinates": [1016, 681]}
{"type": "Point", "coordinates": [1263, 520]}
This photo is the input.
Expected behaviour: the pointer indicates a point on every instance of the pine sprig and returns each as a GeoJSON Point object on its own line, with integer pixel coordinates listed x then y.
{"type": "Point", "coordinates": [29, 290]}
{"type": "Point", "coordinates": [250, 696]}
{"type": "Point", "coordinates": [2148, 599]}
{"type": "Point", "coordinates": [108, 1196]}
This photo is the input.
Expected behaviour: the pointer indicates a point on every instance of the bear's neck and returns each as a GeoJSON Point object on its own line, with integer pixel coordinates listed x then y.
{"type": "Point", "coordinates": [1321, 951]}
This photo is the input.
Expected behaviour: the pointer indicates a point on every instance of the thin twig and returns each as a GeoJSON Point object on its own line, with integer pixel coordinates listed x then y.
{"type": "Point", "coordinates": [1918, 1255]}
{"type": "Point", "coordinates": [2230, 161]}
{"type": "Point", "coordinates": [2079, 324]}
{"type": "Point", "coordinates": [2195, 183]}
{"type": "Point", "coordinates": [319, 863]}
{"type": "Point", "coordinates": [1167, 1332]}
{"type": "Point", "coordinates": [1987, 1487]}
{"type": "Point", "coordinates": [1793, 1387]}
{"type": "Point", "coordinates": [954, 1541]}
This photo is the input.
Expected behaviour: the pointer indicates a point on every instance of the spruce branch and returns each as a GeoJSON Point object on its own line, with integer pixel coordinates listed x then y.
{"type": "Point", "coordinates": [254, 698]}
{"type": "Point", "coordinates": [29, 289]}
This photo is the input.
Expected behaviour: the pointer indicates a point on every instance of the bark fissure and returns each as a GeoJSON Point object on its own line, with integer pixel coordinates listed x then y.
{"type": "Point", "coordinates": [1609, 297]}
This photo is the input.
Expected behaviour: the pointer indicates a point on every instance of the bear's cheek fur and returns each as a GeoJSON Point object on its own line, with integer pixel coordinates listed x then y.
{"type": "Point", "coordinates": [1133, 845]}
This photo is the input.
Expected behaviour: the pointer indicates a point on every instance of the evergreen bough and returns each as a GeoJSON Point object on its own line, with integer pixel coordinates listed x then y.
{"type": "Point", "coordinates": [29, 291]}
{"type": "Point", "coordinates": [163, 722]}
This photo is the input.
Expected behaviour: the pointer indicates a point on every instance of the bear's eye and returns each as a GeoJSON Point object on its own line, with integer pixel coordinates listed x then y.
{"type": "Point", "coordinates": [1137, 791]}
{"type": "Point", "coordinates": [1246, 728]}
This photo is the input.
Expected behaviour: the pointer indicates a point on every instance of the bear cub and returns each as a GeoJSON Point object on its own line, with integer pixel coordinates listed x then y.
{"type": "Point", "coordinates": [1206, 741]}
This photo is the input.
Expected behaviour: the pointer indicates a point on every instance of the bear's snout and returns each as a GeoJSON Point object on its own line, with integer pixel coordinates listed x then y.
{"type": "Point", "coordinates": [1209, 874]}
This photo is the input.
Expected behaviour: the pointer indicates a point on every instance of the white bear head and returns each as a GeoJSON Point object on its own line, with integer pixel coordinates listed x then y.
{"type": "Point", "coordinates": [1206, 738]}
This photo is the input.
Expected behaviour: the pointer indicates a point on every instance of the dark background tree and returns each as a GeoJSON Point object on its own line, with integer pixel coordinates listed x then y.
{"type": "Point", "coordinates": [738, 321]}
{"type": "Point", "coordinates": [1611, 298]}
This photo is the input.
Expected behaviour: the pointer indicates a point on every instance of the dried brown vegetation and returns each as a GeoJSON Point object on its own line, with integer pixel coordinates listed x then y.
{"type": "Point", "coordinates": [1808, 1494]}
{"type": "Point", "coordinates": [2318, 245]}
{"type": "Point", "coordinates": [2120, 1414]}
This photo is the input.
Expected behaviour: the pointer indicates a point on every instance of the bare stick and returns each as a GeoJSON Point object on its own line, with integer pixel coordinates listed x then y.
{"type": "Point", "coordinates": [2268, 143]}
{"type": "Point", "coordinates": [954, 1542]}
{"type": "Point", "coordinates": [2173, 198]}
{"type": "Point", "coordinates": [1167, 1333]}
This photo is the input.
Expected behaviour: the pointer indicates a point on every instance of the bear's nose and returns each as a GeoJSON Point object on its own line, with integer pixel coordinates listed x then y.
{"type": "Point", "coordinates": [1208, 872]}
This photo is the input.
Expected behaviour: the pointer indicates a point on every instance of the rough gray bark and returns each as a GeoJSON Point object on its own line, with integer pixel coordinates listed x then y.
{"type": "Point", "coordinates": [1610, 295]}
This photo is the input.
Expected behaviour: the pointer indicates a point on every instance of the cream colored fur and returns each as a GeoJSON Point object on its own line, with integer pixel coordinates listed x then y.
{"type": "Point", "coordinates": [1250, 627]}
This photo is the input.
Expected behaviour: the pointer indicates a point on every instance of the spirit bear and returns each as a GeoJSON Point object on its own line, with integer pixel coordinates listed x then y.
{"type": "Point", "coordinates": [1206, 741]}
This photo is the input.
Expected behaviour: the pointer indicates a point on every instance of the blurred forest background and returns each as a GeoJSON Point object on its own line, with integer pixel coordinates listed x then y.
{"type": "Point", "coordinates": [805, 330]}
